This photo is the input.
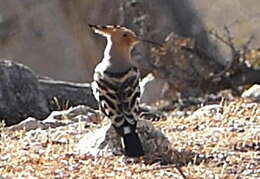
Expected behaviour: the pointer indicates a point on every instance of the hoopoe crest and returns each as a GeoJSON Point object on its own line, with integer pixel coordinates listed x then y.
{"type": "Point", "coordinates": [120, 42]}
{"type": "Point", "coordinates": [118, 35]}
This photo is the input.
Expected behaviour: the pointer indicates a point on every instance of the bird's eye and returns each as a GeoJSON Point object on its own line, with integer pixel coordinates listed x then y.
{"type": "Point", "coordinates": [124, 35]}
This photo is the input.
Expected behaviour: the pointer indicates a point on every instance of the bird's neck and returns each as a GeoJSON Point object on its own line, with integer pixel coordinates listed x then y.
{"type": "Point", "coordinates": [117, 58]}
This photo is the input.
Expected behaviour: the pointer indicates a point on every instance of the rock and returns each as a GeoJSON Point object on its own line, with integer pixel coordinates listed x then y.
{"type": "Point", "coordinates": [74, 114]}
{"type": "Point", "coordinates": [93, 143]}
{"type": "Point", "coordinates": [105, 141]}
{"type": "Point", "coordinates": [60, 118]}
{"type": "Point", "coordinates": [213, 110]}
{"type": "Point", "coordinates": [20, 95]}
{"type": "Point", "coordinates": [23, 94]}
{"type": "Point", "coordinates": [151, 89]}
{"type": "Point", "coordinates": [28, 124]}
{"type": "Point", "coordinates": [63, 94]}
{"type": "Point", "coordinates": [38, 34]}
{"type": "Point", "coordinates": [50, 34]}
{"type": "Point", "coordinates": [253, 93]}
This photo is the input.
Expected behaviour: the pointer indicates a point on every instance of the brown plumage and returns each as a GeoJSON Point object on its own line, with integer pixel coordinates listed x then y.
{"type": "Point", "coordinates": [116, 85]}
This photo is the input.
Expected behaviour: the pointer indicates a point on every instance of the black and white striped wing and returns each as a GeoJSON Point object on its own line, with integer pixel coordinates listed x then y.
{"type": "Point", "coordinates": [118, 95]}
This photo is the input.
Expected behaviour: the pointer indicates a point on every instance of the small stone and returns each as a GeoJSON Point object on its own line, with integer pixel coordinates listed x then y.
{"type": "Point", "coordinates": [28, 124]}
{"type": "Point", "coordinates": [207, 111]}
{"type": "Point", "coordinates": [252, 93]}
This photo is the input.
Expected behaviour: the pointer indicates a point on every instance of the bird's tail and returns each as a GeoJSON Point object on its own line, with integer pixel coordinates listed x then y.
{"type": "Point", "coordinates": [130, 140]}
{"type": "Point", "coordinates": [132, 145]}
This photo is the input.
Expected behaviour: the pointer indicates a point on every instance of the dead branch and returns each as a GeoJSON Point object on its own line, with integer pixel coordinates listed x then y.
{"type": "Point", "coordinates": [237, 63]}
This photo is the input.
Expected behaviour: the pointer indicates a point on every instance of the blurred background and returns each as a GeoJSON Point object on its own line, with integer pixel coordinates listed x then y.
{"type": "Point", "coordinates": [52, 36]}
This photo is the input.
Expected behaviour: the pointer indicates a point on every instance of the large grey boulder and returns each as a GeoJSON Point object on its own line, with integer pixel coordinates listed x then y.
{"type": "Point", "coordinates": [20, 95]}
{"type": "Point", "coordinates": [23, 94]}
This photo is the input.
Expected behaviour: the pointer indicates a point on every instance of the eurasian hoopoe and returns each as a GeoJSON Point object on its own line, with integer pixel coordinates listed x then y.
{"type": "Point", "coordinates": [116, 85]}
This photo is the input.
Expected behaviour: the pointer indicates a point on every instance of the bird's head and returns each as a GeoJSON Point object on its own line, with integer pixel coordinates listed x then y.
{"type": "Point", "coordinates": [121, 36]}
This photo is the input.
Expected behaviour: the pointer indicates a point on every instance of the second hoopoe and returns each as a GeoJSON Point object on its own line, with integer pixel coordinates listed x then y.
{"type": "Point", "coordinates": [116, 85]}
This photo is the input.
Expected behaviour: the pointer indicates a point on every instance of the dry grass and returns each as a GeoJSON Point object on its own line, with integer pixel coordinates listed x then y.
{"type": "Point", "coordinates": [231, 139]}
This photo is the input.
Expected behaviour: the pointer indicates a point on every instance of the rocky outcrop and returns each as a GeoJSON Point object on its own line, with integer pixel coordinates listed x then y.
{"type": "Point", "coordinates": [36, 33]}
{"type": "Point", "coordinates": [47, 34]}
{"type": "Point", "coordinates": [23, 94]}
{"type": "Point", "coordinates": [20, 94]}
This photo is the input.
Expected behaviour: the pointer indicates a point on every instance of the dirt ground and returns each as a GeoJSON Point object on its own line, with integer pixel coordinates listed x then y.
{"type": "Point", "coordinates": [228, 135]}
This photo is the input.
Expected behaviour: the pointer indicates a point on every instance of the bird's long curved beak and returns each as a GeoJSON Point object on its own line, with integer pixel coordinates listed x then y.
{"type": "Point", "coordinates": [106, 30]}
{"type": "Point", "coordinates": [150, 42]}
